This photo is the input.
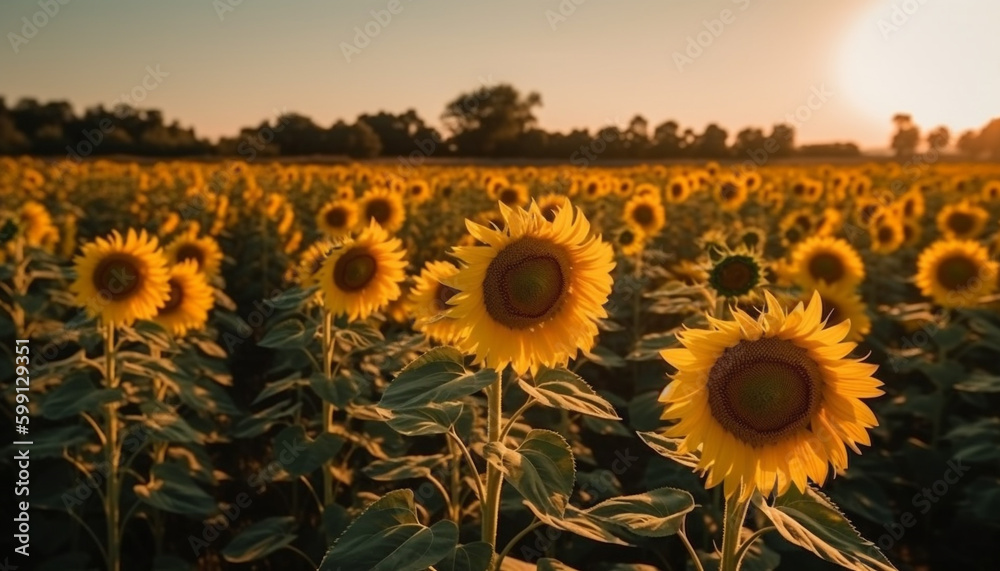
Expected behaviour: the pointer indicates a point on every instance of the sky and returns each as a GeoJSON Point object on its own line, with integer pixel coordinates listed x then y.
{"type": "Point", "coordinates": [836, 70]}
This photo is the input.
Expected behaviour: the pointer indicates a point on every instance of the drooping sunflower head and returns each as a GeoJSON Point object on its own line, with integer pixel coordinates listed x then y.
{"type": "Point", "coordinates": [956, 273]}
{"type": "Point", "coordinates": [646, 214]}
{"type": "Point", "coordinates": [203, 250]}
{"type": "Point", "coordinates": [337, 218]}
{"type": "Point", "coordinates": [737, 274]}
{"type": "Point", "coordinates": [121, 279]}
{"type": "Point", "coordinates": [532, 294]}
{"type": "Point", "coordinates": [189, 301]}
{"type": "Point", "coordinates": [962, 221]}
{"type": "Point", "coordinates": [384, 207]}
{"type": "Point", "coordinates": [769, 402]}
{"type": "Point", "coordinates": [363, 274]}
{"type": "Point", "coordinates": [429, 299]}
{"type": "Point", "coordinates": [822, 259]}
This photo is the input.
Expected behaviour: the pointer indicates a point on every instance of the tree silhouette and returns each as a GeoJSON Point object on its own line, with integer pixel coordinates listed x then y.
{"type": "Point", "coordinates": [488, 121]}
{"type": "Point", "coordinates": [907, 136]}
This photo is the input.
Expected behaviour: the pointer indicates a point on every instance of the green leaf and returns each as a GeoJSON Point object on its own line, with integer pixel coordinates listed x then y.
{"type": "Point", "coordinates": [171, 489]}
{"type": "Point", "coordinates": [575, 520]}
{"type": "Point", "coordinates": [811, 521]}
{"type": "Point", "coordinates": [668, 448]}
{"type": "Point", "coordinates": [261, 421]}
{"type": "Point", "coordinates": [299, 455]}
{"type": "Point", "coordinates": [475, 556]}
{"type": "Point", "coordinates": [277, 387]}
{"type": "Point", "coordinates": [559, 388]}
{"type": "Point", "coordinates": [289, 334]}
{"type": "Point", "coordinates": [403, 468]}
{"type": "Point", "coordinates": [260, 540]}
{"type": "Point", "coordinates": [77, 394]}
{"type": "Point", "coordinates": [388, 537]}
{"type": "Point", "coordinates": [292, 298]}
{"type": "Point", "coordinates": [437, 376]}
{"type": "Point", "coordinates": [541, 469]}
{"type": "Point", "coordinates": [648, 348]}
{"type": "Point", "coordinates": [166, 424]}
{"type": "Point", "coordinates": [980, 383]}
{"type": "Point", "coordinates": [435, 418]}
{"type": "Point", "coordinates": [657, 513]}
{"type": "Point", "coordinates": [339, 391]}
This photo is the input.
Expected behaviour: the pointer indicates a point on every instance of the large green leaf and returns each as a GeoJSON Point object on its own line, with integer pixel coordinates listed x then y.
{"type": "Point", "coordinates": [289, 334]}
{"type": "Point", "coordinates": [575, 520]}
{"type": "Point", "coordinates": [339, 391]}
{"type": "Point", "coordinates": [171, 489]}
{"type": "Point", "coordinates": [434, 418]}
{"type": "Point", "coordinates": [475, 556]}
{"type": "Point", "coordinates": [260, 540]}
{"type": "Point", "coordinates": [657, 513]}
{"type": "Point", "coordinates": [77, 394]}
{"type": "Point", "coordinates": [388, 537]}
{"type": "Point", "coordinates": [437, 376]}
{"type": "Point", "coordinates": [564, 389]}
{"type": "Point", "coordinates": [299, 455]}
{"type": "Point", "coordinates": [403, 468]}
{"type": "Point", "coordinates": [541, 469]}
{"type": "Point", "coordinates": [811, 521]}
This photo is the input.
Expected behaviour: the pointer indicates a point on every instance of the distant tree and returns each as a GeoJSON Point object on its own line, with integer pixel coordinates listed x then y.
{"type": "Point", "coordinates": [968, 144]}
{"type": "Point", "coordinates": [636, 137]}
{"type": "Point", "coordinates": [400, 134]}
{"type": "Point", "coordinates": [783, 135]}
{"type": "Point", "coordinates": [489, 120]}
{"type": "Point", "coordinates": [711, 143]}
{"type": "Point", "coordinates": [362, 141]}
{"type": "Point", "coordinates": [939, 137]}
{"type": "Point", "coordinates": [907, 136]}
{"type": "Point", "coordinates": [748, 141]}
{"type": "Point", "coordinates": [667, 142]}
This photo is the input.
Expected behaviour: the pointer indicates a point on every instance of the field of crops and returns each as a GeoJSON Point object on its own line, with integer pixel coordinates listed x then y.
{"type": "Point", "coordinates": [224, 365]}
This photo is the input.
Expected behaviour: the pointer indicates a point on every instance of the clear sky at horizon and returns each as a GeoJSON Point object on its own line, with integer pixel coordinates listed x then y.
{"type": "Point", "coordinates": [599, 64]}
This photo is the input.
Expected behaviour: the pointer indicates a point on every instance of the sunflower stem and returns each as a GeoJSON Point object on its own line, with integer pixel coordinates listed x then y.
{"type": "Point", "coordinates": [494, 479]}
{"type": "Point", "coordinates": [328, 342]}
{"type": "Point", "coordinates": [112, 484]}
{"type": "Point", "coordinates": [736, 512]}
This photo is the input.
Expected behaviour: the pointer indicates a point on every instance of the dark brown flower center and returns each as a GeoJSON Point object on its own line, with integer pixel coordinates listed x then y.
{"type": "Point", "coordinates": [957, 272]}
{"type": "Point", "coordinates": [735, 276]}
{"type": "Point", "coordinates": [176, 297]}
{"type": "Point", "coordinates": [827, 266]}
{"type": "Point", "coordinates": [379, 209]}
{"type": "Point", "coordinates": [729, 191]}
{"type": "Point", "coordinates": [643, 214]}
{"type": "Point", "coordinates": [886, 234]}
{"type": "Point", "coordinates": [526, 283]}
{"type": "Point", "coordinates": [354, 270]}
{"type": "Point", "coordinates": [191, 252]}
{"type": "Point", "coordinates": [961, 223]}
{"type": "Point", "coordinates": [763, 391]}
{"type": "Point", "coordinates": [118, 276]}
{"type": "Point", "coordinates": [336, 217]}
{"type": "Point", "coordinates": [509, 196]}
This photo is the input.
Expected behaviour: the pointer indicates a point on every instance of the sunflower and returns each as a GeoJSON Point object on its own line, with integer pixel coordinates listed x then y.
{"type": "Point", "coordinates": [887, 235]}
{"type": "Point", "coordinates": [512, 194]}
{"type": "Point", "coordinates": [750, 237]}
{"type": "Point", "coordinates": [962, 221]}
{"type": "Point", "coordinates": [769, 402]}
{"type": "Point", "coordinates": [550, 205]}
{"type": "Point", "coordinates": [37, 226]}
{"type": "Point", "coordinates": [678, 189]}
{"type": "Point", "coordinates": [310, 261]}
{"type": "Point", "coordinates": [840, 304]}
{"type": "Point", "coordinates": [429, 299]}
{"type": "Point", "coordinates": [189, 302]}
{"type": "Point", "coordinates": [646, 214]}
{"type": "Point", "coordinates": [713, 242]}
{"type": "Point", "coordinates": [120, 279]}
{"type": "Point", "coordinates": [912, 204]}
{"type": "Point", "coordinates": [737, 274]}
{"type": "Point", "coordinates": [203, 250]}
{"type": "Point", "coordinates": [363, 274]}
{"type": "Point", "coordinates": [533, 294]}
{"type": "Point", "coordinates": [991, 191]}
{"type": "Point", "coordinates": [822, 259]}
{"type": "Point", "coordinates": [956, 273]}
{"type": "Point", "coordinates": [630, 241]}
{"type": "Point", "coordinates": [730, 193]}
{"type": "Point", "coordinates": [418, 192]}
{"type": "Point", "coordinates": [337, 218]}
{"type": "Point", "coordinates": [384, 207]}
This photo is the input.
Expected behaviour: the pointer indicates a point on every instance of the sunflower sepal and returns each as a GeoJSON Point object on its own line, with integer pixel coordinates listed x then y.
{"type": "Point", "coordinates": [809, 519]}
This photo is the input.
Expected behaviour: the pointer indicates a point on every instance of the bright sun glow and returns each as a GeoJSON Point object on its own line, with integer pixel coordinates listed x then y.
{"type": "Point", "coordinates": [938, 61]}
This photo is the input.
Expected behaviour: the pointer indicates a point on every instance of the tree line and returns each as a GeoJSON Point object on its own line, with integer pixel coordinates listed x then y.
{"type": "Point", "coordinates": [494, 121]}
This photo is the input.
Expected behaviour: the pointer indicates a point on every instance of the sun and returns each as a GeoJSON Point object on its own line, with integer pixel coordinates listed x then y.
{"type": "Point", "coordinates": [932, 63]}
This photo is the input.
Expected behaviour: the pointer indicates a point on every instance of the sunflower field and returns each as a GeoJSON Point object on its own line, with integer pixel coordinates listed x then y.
{"type": "Point", "coordinates": [230, 365]}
